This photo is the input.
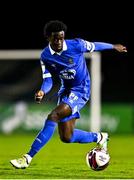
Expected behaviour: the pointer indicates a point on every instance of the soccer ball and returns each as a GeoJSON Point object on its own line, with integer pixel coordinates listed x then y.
{"type": "Point", "coordinates": [97, 159]}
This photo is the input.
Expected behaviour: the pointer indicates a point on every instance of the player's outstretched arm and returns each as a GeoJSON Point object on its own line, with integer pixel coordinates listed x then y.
{"type": "Point", "coordinates": [99, 46]}
{"type": "Point", "coordinates": [39, 96]}
{"type": "Point", "coordinates": [120, 48]}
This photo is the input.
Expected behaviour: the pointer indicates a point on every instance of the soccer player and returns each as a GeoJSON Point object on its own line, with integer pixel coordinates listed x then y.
{"type": "Point", "coordinates": [65, 58]}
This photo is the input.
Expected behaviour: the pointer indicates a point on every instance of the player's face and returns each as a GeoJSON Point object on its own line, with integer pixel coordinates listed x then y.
{"type": "Point", "coordinates": [56, 40]}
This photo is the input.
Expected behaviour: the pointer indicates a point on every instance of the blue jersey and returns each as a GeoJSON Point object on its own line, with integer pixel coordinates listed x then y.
{"type": "Point", "coordinates": [70, 64]}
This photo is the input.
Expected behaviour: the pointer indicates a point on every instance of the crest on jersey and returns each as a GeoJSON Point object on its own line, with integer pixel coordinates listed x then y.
{"type": "Point", "coordinates": [70, 61]}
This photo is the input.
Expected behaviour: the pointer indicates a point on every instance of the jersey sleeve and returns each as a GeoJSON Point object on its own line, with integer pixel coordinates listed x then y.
{"type": "Point", "coordinates": [47, 79]}
{"type": "Point", "coordinates": [100, 46]}
{"type": "Point", "coordinates": [86, 46]}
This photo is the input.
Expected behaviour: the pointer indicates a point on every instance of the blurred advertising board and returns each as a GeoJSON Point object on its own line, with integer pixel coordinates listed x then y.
{"type": "Point", "coordinates": [22, 116]}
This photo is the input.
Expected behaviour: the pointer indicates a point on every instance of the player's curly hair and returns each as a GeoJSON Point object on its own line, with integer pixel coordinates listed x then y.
{"type": "Point", "coordinates": [54, 26]}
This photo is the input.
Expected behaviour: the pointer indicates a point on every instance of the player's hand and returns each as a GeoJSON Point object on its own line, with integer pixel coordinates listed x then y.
{"type": "Point", "coordinates": [120, 48]}
{"type": "Point", "coordinates": [39, 96]}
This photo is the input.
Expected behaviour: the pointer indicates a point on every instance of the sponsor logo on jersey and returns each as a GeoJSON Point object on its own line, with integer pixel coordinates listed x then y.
{"type": "Point", "coordinates": [67, 74]}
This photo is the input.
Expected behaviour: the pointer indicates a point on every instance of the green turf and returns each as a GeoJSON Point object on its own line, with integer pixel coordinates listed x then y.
{"type": "Point", "coordinates": [65, 161]}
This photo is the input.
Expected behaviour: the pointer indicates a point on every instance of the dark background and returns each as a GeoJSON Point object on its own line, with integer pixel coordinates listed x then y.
{"type": "Point", "coordinates": [22, 26]}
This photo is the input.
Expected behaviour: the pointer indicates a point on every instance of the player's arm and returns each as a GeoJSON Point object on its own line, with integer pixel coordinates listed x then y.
{"type": "Point", "coordinates": [99, 46]}
{"type": "Point", "coordinates": [87, 46]}
{"type": "Point", "coordinates": [46, 85]}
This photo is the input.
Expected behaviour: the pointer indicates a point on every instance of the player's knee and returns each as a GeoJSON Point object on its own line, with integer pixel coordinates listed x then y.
{"type": "Point", "coordinates": [65, 138]}
{"type": "Point", "coordinates": [54, 116]}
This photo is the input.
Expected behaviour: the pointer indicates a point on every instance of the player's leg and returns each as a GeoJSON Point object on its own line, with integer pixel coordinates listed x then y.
{"type": "Point", "coordinates": [42, 138]}
{"type": "Point", "coordinates": [69, 134]}
{"type": "Point", "coordinates": [66, 126]}
{"type": "Point", "coordinates": [60, 112]}
{"type": "Point", "coordinates": [66, 129]}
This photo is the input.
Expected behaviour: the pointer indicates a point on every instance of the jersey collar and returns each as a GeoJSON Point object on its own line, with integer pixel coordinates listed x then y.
{"type": "Point", "coordinates": [59, 53]}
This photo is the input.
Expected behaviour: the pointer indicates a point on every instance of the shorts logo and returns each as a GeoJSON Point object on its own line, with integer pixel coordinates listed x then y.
{"type": "Point", "coordinates": [72, 97]}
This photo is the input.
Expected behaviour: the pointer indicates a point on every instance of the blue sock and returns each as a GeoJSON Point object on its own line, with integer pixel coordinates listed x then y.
{"type": "Point", "coordinates": [43, 137]}
{"type": "Point", "coordinates": [83, 136]}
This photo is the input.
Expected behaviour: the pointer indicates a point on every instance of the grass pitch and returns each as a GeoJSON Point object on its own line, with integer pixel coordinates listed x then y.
{"type": "Point", "coordinates": [58, 160]}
